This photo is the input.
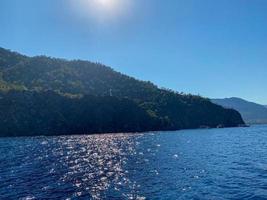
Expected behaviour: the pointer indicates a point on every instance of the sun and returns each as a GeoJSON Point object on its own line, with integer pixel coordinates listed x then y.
{"type": "Point", "coordinates": [107, 4]}
{"type": "Point", "coordinates": [102, 10]}
{"type": "Point", "coordinates": [101, 5]}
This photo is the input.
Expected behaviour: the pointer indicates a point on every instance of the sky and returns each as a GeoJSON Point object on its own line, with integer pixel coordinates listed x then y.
{"type": "Point", "coordinates": [215, 48]}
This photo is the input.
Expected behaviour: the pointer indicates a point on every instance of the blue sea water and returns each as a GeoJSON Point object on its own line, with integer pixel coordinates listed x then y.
{"type": "Point", "coordinates": [191, 164]}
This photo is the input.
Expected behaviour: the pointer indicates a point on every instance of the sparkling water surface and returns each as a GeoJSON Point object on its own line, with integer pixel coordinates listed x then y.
{"type": "Point", "coordinates": [190, 164]}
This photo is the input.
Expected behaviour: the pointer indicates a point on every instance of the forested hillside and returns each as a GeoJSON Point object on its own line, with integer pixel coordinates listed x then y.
{"type": "Point", "coordinates": [76, 81]}
{"type": "Point", "coordinates": [47, 113]}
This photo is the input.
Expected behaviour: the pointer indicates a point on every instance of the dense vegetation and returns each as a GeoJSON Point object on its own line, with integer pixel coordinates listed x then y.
{"type": "Point", "coordinates": [75, 97]}
{"type": "Point", "coordinates": [251, 112]}
{"type": "Point", "coordinates": [46, 113]}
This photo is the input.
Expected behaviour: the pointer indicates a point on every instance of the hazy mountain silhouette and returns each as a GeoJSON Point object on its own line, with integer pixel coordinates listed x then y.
{"type": "Point", "coordinates": [252, 113]}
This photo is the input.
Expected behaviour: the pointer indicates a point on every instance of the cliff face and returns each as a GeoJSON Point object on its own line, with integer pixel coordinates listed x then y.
{"type": "Point", "coordinates": [83, 82]}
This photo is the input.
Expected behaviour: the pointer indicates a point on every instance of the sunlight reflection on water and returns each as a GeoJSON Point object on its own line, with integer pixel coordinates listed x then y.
{"type": "Point", "coordinates": [190, 164]}
{"type": "Point", "coordinates": [97, 162]}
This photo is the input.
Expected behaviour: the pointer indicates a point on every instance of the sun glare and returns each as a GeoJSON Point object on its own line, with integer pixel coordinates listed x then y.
{"type": "Point", "coordinates": [105, 2]}
{"type": "Point", "coordinates": [102, 10]}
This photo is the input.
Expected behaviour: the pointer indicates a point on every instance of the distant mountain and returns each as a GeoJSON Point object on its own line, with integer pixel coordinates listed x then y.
{"type": "Point", "coordinates": [58, 92]}
{"type": "Point", "coordinates": [251, 112]}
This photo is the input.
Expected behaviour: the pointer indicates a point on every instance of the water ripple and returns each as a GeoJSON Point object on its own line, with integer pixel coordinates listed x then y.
{"type": "Point", "coordinates": [193, 164]}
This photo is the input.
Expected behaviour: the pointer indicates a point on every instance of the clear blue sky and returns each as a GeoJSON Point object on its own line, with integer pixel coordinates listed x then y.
{"type": "Point", "coordinates": [216, 48]}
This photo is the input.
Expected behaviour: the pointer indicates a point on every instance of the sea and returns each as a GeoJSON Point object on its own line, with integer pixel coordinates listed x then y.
{"type": "Point", "coordinates": [212, 164]}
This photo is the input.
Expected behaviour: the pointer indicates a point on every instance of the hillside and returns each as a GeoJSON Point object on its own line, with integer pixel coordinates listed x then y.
{"type": "Point", "coordinates": [47, 113]}
{"type": "Point", "coordinates": [76, 79]}
{"type": "Point", "coordinates": [251, 112]}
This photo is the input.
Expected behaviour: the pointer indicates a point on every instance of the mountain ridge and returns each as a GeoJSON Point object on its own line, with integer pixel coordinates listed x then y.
{"type": "Point", "coordinates": [78, 78]}
{"type": "Point", "coordinates": [251, 112]}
